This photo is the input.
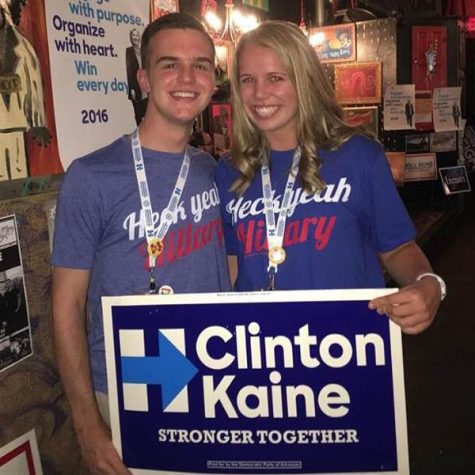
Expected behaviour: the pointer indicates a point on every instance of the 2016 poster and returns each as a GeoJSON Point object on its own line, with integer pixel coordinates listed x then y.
{"type": "Point", "coordinates": [92, 48]}
{"type": "Point", "coordinates": [263, 382]}
{"type": "Point", "coordinates": [447, 111]}
{"type": "Point", "coordinates": [399, 107]}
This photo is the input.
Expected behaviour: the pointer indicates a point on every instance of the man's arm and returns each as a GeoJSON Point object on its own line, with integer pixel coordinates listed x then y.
{"type": "Point", "coordinates": [414, 307]}
{"type": "Point", "coordinates": [71, 347]}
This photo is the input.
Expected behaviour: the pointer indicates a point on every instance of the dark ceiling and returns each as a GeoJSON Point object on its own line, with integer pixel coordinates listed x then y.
{"type": "Point", "coordinates": [290, 9]}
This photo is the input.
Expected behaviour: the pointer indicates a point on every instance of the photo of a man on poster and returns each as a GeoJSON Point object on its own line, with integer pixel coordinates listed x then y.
{"type": "Point", "coordinates": [409, 113]}
{"type": "Point", "coordinates": [133, 64]}
{"type": "Point", "coordinates": [456, 115]}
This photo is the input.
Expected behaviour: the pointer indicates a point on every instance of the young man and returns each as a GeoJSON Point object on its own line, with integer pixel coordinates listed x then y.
{"type": "Point", "coordinates": [111, 240]}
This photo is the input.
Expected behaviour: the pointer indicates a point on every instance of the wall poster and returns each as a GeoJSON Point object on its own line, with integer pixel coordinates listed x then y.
{"type": "Point", "coordinates": [399, 110]}
{"type": "Point", "coordinates": [447, 112]}
{"type": "Point", "coordinates": [15, 332]}
{"type": "Point", "coordinates": [228, 383]}
{"type": "Point", "coordinates": [334, 43]}
{"type": "Point", "coordinates": [93, 52]}
{"type": "Point", "coordinates": [423, 109]}
{"type": "Point", "coordinates": [362, 116]}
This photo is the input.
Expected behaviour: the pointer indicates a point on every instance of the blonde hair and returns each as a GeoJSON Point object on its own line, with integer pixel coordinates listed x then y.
{"type": "Point", "coordinates": [320, 122]}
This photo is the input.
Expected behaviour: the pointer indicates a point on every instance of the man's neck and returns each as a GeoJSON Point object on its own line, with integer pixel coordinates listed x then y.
{"type": "Point", "coordinates": [163, 138]}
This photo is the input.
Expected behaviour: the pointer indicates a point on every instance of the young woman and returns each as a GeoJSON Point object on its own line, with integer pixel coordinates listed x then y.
{"type": "Point", "coordinates": [307, 202]}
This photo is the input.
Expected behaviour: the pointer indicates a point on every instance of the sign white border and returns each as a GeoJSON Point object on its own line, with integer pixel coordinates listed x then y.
{"type": "Point", "coordinates": [30, 438]}
{"type": "Point", "coordinates": [262, 297]}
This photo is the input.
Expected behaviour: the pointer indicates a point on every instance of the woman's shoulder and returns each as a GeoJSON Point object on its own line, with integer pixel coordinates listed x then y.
{"type": "Point", "coordinates": [226, 167]}
{"type": "Point", "coordinates": [361, 143]}
{"type": "Point", "coordinates": [357, 148]}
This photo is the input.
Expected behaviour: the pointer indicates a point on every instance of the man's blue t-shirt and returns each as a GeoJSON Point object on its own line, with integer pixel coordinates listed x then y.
{"type": "Point", "coordinates": [99, 227]}
{"type": "Point", "coordinates": [332, 238]}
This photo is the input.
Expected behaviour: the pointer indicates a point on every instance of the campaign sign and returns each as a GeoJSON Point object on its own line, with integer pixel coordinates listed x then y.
{"type": "Point", "coordinates": [262, 382]}
{"type": "Point", "coordinates": [454, 179]}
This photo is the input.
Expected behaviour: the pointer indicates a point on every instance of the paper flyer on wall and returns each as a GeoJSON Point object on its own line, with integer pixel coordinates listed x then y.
{"type": "Point", "coordinates": [447, 111]}
{"type": "Point", "coordinates": [15, 331]}
{"type": "Point", "coordinates": [94, 60]}
{"type": "Point", "coordinates": [399, 107]}
{"type": "Point", "coordinates": [21, 456]}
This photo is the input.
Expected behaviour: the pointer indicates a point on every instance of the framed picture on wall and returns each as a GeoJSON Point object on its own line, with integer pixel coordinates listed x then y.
{"type": "Point", "coordinates": [220, 126]}
{"type": "Point", "coordinates": [417, 143]}
{"type": "Point", "coordinates": [366, 116]}
{"type": "Point", "coordinates": [335, 43]}
{"type": "Point", "coordinates": [159, 8]}
{"type": "Point", "coordinates": [358, 83]}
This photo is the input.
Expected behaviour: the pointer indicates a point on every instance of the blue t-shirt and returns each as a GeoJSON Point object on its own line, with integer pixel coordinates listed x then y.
{"type": "Point", "coordinates": [99, 226]}
{"type": "Point", "coordinates": [332, 238]}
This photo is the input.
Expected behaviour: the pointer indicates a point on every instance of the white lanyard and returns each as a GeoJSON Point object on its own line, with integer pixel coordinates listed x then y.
{"type": "Point", "coordinates": [155, 238]}
{"type": "Point", "coordinates": [275, 231]}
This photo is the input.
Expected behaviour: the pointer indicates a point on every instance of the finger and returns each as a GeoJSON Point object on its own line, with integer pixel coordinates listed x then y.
{"type": "Point", "coordinates": [411, 322]}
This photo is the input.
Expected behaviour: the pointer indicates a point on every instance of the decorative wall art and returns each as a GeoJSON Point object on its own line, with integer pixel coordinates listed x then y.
{"type": "Point", "coordinates": [335, 43]}
{"type": "Point", "coordinates": [362, 116]}
{"type": "Point", "coordinates": [358, 83]}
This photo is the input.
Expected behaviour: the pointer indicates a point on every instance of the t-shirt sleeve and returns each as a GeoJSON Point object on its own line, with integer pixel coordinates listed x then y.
{"type": "Point", "coordinates": [224, 179]}
{"type": "Point", "coordinates": [392, 225]}
{"type": "Point", "coordinates": [78, 222]}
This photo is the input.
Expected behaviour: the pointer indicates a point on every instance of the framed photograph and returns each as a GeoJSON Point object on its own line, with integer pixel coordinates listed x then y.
{"type": "Point", "coordinates": [335, 43]}
{"type": "Point", "coordinates": [220, 126]}
{"type": "Point", "coordinates": [417, 143]}
{"type": "Point", "coordinates": [15, 329]}
{"type": "Point", "coordinates": [159, 8]}
{"type": "Point", "coordinates": [358, 83]}
{"type": "Point", "coordinates": [443, 141]}
{"type": "Point", "coordinates": [362, 116]}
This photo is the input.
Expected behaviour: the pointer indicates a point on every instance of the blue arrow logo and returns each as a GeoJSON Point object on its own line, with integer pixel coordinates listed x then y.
{"type": "Point", "coordinates": [172, 370]}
